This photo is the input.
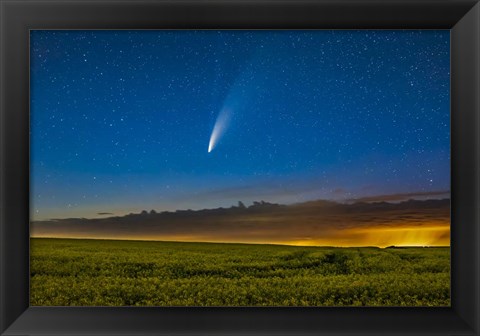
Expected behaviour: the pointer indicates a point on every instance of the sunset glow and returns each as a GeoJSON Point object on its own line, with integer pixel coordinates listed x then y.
{"type": "Point", "coordinates": [380, 238]}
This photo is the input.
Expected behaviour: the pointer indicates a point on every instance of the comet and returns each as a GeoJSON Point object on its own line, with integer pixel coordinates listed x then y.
{"type": "Point", "coordinates": [221, 124]}
{"type": "Point", "coordinates": [239, 94]}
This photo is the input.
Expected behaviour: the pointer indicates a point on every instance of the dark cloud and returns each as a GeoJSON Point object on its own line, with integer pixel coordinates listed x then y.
{"type": "Point", "coordinates": [310, 223]}
{"type": "Point", "coordinates": [403, 196]}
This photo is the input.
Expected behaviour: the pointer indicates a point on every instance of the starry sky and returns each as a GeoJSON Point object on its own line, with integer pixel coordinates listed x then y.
{"type": "Point", "coordinates": [123, 121]}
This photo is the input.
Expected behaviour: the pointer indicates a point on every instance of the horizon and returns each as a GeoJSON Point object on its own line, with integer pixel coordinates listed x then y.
{"type": "Point", "coordinates": [409, 222]}
{"type": "Point", "coordinates": [240, 243]}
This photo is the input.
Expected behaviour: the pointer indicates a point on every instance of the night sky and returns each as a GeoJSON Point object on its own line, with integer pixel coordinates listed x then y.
{"type": "Point", "coordinates": [123, 121]}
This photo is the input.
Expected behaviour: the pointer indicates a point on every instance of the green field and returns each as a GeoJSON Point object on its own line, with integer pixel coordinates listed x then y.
{"type": "Point", "coordinates": [68, 272]}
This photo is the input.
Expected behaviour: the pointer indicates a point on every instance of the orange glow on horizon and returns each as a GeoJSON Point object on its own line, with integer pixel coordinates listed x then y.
{"type": "Point", "coordinates": [438, 235]}
{"type": "Point", "coordinates": [379, 237]}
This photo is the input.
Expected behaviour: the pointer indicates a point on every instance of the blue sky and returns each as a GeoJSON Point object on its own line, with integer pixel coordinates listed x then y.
{"type": "Point", "coordinates": [122, 120]}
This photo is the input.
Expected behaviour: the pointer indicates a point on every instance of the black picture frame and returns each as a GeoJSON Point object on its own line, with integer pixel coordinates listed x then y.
{"type": "Point", "coordinates": [17, 17]}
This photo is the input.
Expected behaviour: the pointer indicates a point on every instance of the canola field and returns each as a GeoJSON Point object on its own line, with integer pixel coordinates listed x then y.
{"type": "Point", "coordinates": [83, 272]}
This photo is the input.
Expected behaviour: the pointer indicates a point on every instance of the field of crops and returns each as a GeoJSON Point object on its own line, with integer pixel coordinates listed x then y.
{"type": "Point", "coordinates": [68, 272]}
